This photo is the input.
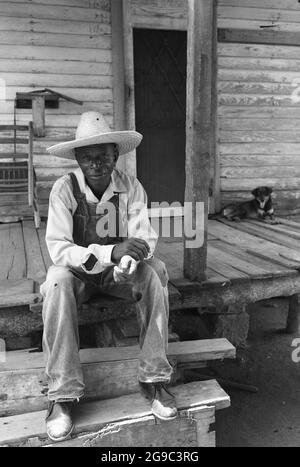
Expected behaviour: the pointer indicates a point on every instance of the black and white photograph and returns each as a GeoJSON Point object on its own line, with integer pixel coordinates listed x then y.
{"type": "Point", "coordinates": [149, 226]}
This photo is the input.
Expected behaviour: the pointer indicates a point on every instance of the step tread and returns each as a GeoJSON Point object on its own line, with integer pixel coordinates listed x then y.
{"type": "Point", "coordinates": [95, 415]}
{"type": "Point", "coordinates": [186, 351]}
{"type": "Point", "coordinates": [16, 300]}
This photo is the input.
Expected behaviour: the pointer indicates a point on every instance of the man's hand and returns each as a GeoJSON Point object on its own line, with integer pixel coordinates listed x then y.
{"type": "Point", "coordinates": [125, 271]}
{"type": "Point", "coordinates": [137, 248]}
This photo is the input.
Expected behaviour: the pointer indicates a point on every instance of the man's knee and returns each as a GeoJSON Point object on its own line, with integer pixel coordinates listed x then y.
{"type": "Point", "coordinates": [156, 268]}
{"type": "Point", "coordinates": [58, 277]}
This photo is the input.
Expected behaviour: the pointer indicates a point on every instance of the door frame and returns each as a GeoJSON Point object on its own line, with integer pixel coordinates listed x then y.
{"type": "Point", "coordinates": [123, 22]}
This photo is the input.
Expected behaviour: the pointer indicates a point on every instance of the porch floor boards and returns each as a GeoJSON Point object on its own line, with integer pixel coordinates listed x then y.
{"type": "Point", "coordinates": [238, 252]}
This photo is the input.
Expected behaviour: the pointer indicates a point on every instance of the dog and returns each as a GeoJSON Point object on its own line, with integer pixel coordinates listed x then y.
{"type": "Point", "coordinates": [260, 207]}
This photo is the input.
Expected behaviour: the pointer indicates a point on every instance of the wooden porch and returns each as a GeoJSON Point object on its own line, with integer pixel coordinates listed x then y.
{"type": "Point", "coordinates": [246, 262]}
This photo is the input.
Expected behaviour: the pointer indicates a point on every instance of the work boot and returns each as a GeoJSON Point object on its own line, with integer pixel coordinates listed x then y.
{"type": "Point", "coordinates": [58, 420]}
{"type": "Point", "coordinates": [163, 402]}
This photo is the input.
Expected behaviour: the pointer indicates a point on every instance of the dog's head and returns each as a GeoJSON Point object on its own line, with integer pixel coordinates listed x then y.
{"type": "Point", "coordinates": [262, 194]}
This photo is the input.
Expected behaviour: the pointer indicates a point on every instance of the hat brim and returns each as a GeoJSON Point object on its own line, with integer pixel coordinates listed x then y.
{"type": "Point", "coordinates": [127, 141]}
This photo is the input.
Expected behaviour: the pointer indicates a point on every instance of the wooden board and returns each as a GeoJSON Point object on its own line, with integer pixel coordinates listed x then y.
{"type": "Point", "coordinates": [263, 36]}
{"type": "Point", "coordinates": [96, 415]}
{"type": "Point", "coordinates": [54, 53]}
{"type": "Point", "coordinates": [269, 4]}
{"type": "Point", "coordinates": [214, 278]}
{"type": "Point", "coordinates": [160, 14]}
{"type": "Point", "coordinates": [264, 15]}
{"type": "Point", "coordinates": [193, 427]}
{"type": "Point", "coordinates": [12, 288]}
{"type": "Point", "coordinates": [12, 257]}
{"type": "Point", "coordinates": [288, 231]}
{"type": "Point", "coordinates": [270, 267]}
{"type": "Point", "coordinates": [35, 263]}
{"type": "Point", "coordinates": [239, 264]}
{"type": "Point", "coordinates": [18, 300]}
{"type": "Point", "coordinates": [214, 262]}
{"type": "Point", "coordinates": [263, 111]}
{"type": "Point", "coordinates": [229, 232]}
{"type": "Point", "coordinates": [196, 350]}
{"type": "Point", "coordinates": [56, 40]}
{"type": "Point", "coordinates": [260, 172]}
{"type": "Point", "coordinates": [267, 234]}
{"type": "Point", "coordinates": [44, 67]}
{"type": "Point", "coordinates": [55, 26]}
{"type": "Point", "coordinates": [227, 23]}
{"type": "Point", "coordinates": [289, 222]}
{"type": "Point", "coordinates": [98, 12]}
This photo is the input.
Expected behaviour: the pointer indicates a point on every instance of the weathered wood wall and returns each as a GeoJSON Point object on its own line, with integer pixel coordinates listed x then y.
{"type": "Point", "coordinates": [67, 46]}
{"type": "Point", "coordinates": [259, 104]}
{"type": "Point", "coordinates": [64, 45]}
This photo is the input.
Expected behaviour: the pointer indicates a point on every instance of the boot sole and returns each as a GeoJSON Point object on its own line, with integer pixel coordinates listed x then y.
{"type": "Point", "coordinates": [164, 418]}
{"type": "Point", "coordinates": [62, 438]}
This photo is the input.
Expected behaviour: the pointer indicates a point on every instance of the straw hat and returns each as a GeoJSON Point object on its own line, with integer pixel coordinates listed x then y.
{"type": "Point", "coordinates": [93, 129]}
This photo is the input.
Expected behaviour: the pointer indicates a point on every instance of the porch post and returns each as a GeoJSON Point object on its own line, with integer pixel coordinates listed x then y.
{"type": "Point", "coordinates": [118, 70]}
{"type": "Point", "coordinates": [198, 133]}
{"type": "Point", "coordinates": [123, 75]}
{"type": "Point", "coordinates": [129, 81]}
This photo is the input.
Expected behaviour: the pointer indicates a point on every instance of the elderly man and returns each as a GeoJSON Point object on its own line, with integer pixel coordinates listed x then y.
{"type": "Point", "coordinates": [94, 252]}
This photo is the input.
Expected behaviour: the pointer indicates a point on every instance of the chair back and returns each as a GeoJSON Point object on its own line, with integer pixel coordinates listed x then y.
{"type": "Point", "coordinates": [16, 165]}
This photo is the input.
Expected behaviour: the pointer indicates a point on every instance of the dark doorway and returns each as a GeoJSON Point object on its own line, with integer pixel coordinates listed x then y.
{"type": "Point", "coordinates": [160, 104]}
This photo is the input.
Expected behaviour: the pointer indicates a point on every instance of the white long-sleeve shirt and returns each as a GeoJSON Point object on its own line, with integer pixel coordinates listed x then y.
{"type": "Point", "coordinates": [62, 206]}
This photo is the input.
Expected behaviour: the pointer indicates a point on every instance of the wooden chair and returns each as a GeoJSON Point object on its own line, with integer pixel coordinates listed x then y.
{"type": "Point", "coordinates": [17, 175]}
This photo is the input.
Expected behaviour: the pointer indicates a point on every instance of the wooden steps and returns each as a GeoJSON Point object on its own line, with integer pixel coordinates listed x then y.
{"type": "Point", "coordinates": [113, 412]}
{"type": "Point", "coordinates": [23, 385]}
{"type": "Point", "coordinates": [127, 421]}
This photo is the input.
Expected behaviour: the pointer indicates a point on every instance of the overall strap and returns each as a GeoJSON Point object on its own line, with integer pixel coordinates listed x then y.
{"type": "Point", "coordinates": [75, 186]}
{"type": "Point", "coordinates": [82, 210]}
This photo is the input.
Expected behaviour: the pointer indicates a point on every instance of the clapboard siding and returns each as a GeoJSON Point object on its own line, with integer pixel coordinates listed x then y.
{"type": "Point", "coordinates": [58, 26]}
{"type": "Point", "coordinates": [58, 40]}
{"type": "Point", "coordinates": [259, 120]}
{"type": "Point", "coordinates": [20, 52]}
{"type": "Point", "coordinates": [74, 3]}
{"type": "Point", "coordinates": [164, 14]}
{"type": "Point", "coordinates": [64, 45]}
{"type": "Point", "coordinates": [259, 104]}
{"type": "Point", "coordinates": [64, 81]}
{"type": "Point", "coordinates": [48, 11]}
{"type": "Point", "coordinates": [99, 94]}
{"type": "Point", "coordinates": [71, 67]}
{"type": "Point", "coordinates": [289, 5]}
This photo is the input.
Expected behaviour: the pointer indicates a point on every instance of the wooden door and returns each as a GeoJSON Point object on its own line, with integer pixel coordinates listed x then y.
{"type": "Point", "coordinates": [160, 107]}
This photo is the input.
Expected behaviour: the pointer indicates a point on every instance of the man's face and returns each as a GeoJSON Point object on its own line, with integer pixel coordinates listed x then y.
{"type": "Point", "coordinates": [97, 161]}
